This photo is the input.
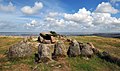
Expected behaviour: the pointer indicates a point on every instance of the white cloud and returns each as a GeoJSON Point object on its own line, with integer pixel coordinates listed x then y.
{"type": "Point", "coordinates": [55, 22]}
{"type": "Point", "coordinates": [33, 23]}
{"type": "Point", "coordinates": [105, 22]}
{"type": "Point", "coordinates": [106, 7]}
{"type": "Point", "coordinates": [81, 17]}
{"type": "Point", "coordinates": [9, 8]}
{"type": "Point", "coordinates": [101, 18]}
{"type": "Point", "coordinates": [32, 10]}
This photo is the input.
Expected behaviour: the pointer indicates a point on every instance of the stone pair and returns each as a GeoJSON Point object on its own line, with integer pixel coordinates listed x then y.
{"type": "Point", "coordinates": [45, 54]}
{"type": "Point", "coordinates": [77, 48]}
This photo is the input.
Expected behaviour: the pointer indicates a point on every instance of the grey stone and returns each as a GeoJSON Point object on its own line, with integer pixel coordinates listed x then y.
{"type": "Point", "coordinates": [87, 50]}
{"type": "Point", "coordinates": [20, 49]}
{"type": "Point", "coordinates": [59, 50]}
{"type": "Point", "coordinates": [74, 49]}
{"type": "Point", "coordinates": [44, 53]}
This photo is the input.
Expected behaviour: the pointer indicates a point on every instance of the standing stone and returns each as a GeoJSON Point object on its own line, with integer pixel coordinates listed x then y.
{"type": "Point", "coordinates": [87, 50]}
{"type": "Point", "coordinates": [59, 50]}
{"type": "Point", "coordinates": [44, 53]}
{"type": "Point", "coordinates": [74, 49]}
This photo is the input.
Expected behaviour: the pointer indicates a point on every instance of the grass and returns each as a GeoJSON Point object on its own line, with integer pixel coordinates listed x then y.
{"type": "Point", "coordinates": [93, 64]}
{"type": "Point", "coordinates": [75, 63]}
{"type": "Point", "coordinates": [5, 42]}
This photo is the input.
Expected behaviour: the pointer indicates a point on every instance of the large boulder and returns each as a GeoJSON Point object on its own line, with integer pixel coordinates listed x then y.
{"type": "Point", "coordinates": [59, 50]}
{"type": "Point", "coordinates": [44, 53]}
{"type": "Point", "coordinates": [74, 49]}
{"type": "Point", "coordinates": [20, 49]}
{"type": "Point", "coordinates": [46, 35]}
{"type": "Point", "coordinates": [86, 50]}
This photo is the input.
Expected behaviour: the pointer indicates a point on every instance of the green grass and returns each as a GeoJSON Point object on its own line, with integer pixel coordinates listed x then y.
{"type": "Point", "coordinates": [5, 42]}
{"type": "Point", "coordinates": [93, 64]}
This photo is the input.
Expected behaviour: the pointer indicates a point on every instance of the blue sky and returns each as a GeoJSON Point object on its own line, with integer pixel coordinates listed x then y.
{"type": "Point", "coordinates": [60, 15]}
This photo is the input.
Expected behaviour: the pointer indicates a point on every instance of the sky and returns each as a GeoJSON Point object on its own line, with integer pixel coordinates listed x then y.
{"type": "Point", "coordinates": [99, 16]}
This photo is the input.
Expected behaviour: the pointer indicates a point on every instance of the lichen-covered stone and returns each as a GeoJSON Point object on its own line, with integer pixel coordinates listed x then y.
{"type": "Point", "coordinates": [87, 50]}
{"type": "Point", "coordinates": [20, 49]}
{"type": "Point", "coordinates": [59, 50]}
{"type": "Point", "coordinates": [74, 49]}
{"type": "Point", "coordinates": [44, 53]}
